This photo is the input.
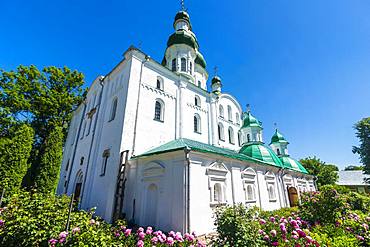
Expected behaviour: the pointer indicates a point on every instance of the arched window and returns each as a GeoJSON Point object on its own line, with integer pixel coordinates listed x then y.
{"type": "Point", "coordinates": [248, 137]}
{"type": "Point", "coordinates": [183, 64]}
{"type": "Point", "coordinates": [231, 135]}
{"type": "Point", "coordinates": [278, 151]}
{"type": "Point", "coordinates": [221, 110]}
{"type": "Point", "coordinates": [159, 110]}
{"type": "Point", "coordinates": [197, 123]}
{"type": "Point", "coordinates": [197, 100]}
{"type": "Point", "coordinates": [113, 109]}
{"type": "Point", "coordinates": [221, 136]}
{"type": "Point", "coordinates": [239, 139]}
{"type": "Point", "coordinates": [251, 194]}
{"type": "Point", "coordinates": [237, 118]}
{"type": "Point", "coordinates": [199, 84]}
{"type": "Point", "coordinates": [159, 83]}
{"type": "Point", "coordinates": [191, 68]}
{"type": "Point", "coordinates": [217, 193]}
{"type": "Point", "coordinates": [271, 191]}
{"type": "Point", "coordinates": [229, 113]}
{"type": "Point", "coordinates": [174, 64]}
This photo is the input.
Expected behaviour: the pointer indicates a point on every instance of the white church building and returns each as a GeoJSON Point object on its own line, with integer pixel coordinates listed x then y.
{"type": "Point", "coordinates": [154, 144]}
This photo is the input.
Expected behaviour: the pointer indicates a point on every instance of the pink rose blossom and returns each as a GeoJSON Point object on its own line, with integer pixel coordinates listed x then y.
{"type": "Point", "coordinates": [170, 241]}
{"type": "Point", "coordinates": [127, 232]}
{"type": "Point", "coordinates": [140, 243]}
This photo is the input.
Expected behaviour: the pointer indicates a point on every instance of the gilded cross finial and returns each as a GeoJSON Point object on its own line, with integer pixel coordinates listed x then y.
{"type": "Point", "coordinates": [183, 5]}
{"type": "Point", "coordinates": [215, 70]}
{"type": "Point", "coordinates": [248, 108]}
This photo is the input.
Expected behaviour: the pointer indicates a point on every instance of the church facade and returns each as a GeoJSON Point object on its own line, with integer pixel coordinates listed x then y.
{"type": "Point", "coordinates": [152, 144]}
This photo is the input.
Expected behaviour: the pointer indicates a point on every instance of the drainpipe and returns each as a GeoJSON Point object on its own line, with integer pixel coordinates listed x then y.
{"type": "Point", "coordinates": [278, 178]}
{"type": "Point", "coordinates": [92, 142]}
{"type": "Point", "coordinates": [187, 189]}
{"type": "Point", "coordinates": [74, 150]}
{"type": "Point", "coordinates": [138, 102]}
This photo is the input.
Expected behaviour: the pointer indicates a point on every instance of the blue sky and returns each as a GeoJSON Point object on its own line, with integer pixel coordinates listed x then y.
{"type": "Point", "coordinates": [302, 64]}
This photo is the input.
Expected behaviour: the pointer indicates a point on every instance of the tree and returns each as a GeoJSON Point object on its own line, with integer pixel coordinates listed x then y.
{"type": "Point", "coordinates": [353, 168]}
{"type": "Point", "coordinates": [363, 150]}
{"type": "Point", "coordinates": [14, 153]}
{"type": "Point", "coordinates": [325, 173]}
{"type": "Point", "coordinates": [47, 174]}
{"type": "Point", "coordinates": [44, 100]}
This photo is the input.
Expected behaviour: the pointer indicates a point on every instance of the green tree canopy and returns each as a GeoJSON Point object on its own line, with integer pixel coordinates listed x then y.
{"type": "Point", "coordinates": [363, 150]}
{"type": "Point", "coordinates": [353, 168]}
{"type": "Point", "coordinates": [325, 173]}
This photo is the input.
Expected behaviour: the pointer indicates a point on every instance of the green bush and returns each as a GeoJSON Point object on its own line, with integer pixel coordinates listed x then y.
{"type": "Point", "coordinates": [236, 226]}
{"type": "Point", "coordinates": [325, 206]}
{"type": "Point", "coordinates": [357, 201]}
{"type": "Point", "coordinates": [333, 236]}
{"type": "Point", "coordinates": [282, 212]}
{"type": "Point", "coordinates": [14, 153]}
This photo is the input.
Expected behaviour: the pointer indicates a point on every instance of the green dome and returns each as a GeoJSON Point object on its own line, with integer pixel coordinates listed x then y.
{"type": "Point", "coordinates": [183, 37]}
{"type": "Point", "coordinates": [182, 15]}
{"type": "Point", "coordinates": [292, 164]}
{"type": "Point", "coordinates": [261, 152]}
{"type": "Point", "coordinates": [216, 79]}
{"type": "Point", "coordinates": [200, 60]}
{"type": "Point", "coordinates": [278, 137]}
{"type": "Point", "coordinates": [250, 121]}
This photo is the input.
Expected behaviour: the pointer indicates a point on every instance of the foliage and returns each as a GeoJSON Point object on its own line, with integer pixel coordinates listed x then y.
{"type": "Point", "coordinates": [14, 153]}
{"type": "Point", "coordinates": [363, 134]}
{"type": "Point", "coordinates": [330, 235]}
{"type": "Point", "coordinates": [357, 201]}
{"type": "Point", "coordinates": [326, 173]}
{"type": "Point", "coordinates": [38, 219]}
{"type": "Point", "coordinates": [353, 168]}
{"type": "Point", "coordinates": [325, 206]}
{"type": "Point", "coordinates": [43, 99]}
{"type": "Point", "coordinates": [236, 226]}
{"type": "Point", "coordinates": [282, 212]}
{"type": "Point", "coordinates": [48, 170]}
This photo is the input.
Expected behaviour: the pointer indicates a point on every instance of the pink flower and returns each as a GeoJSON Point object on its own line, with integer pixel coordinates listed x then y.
{"type": "Point", "coordinates": [62, 240]}
{"type": "Point", "coordinates": [189, 237]}
{"type": "Point", "coordinates": [275, 243]}
{"type": "Point", "coordinates": [140, 229]}
{"type": "Point", "coordinates": [272, 219]}
{"type": "Point", "coordinates": [273, 233]}
{"type": "Point", "coordinates": [63, 234]}
{"type": "Point", "coordinates": [282, 228]}
{"type": "Point", "coordinates": [361, 238]}
{"type": "Point", "coordinates": [92, 222]}
{"type": "Point", "coordinates": [266, 237]}
{"type": "Point", "coordinates": [127, 232]}
{"type": "Point", "coordinates": [149, 230]}
{"type": "Point", "coordinates": [171, 234]}
{"type": "Point", "coordinates": [295, 236]}
{"type": "Point", "coordinates": [201, 244]}
{"type": "Point", "coordinates": [141, 235]}
{"type": "Point", "coordinates": [301, 233]}
{"type": "Point", "coordinates": [154, 240]}
{"type": "Point", "coordinates": [194, 234]}
{"type": "Point", "coordinates": [178, 237]}
{"type": "Point", "coordinates": [367, 219]}
{"type": "Point", "coordinates": [140, 243]}
{"type": "Point", "coordinates": [170, 241]}
{"type": "Point", "coordinates": [262, 221]}
{"type": "Point", "coordinates": [53, 242]}
{"type": "Point", "coordinates": [76, 230]}
{"type": "Point", "coordinates": [260, 231]}
{"type": "Point", "coordinates": [365, 226]}
{"type": "Point", "coordinates": [309, 239]}
{"type": "Point", "coordinates": [1, 223]}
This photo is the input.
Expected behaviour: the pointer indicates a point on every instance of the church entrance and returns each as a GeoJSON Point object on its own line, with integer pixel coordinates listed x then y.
{"type": "Point", "coordinates": [293, 196]}
{"type": "Point", "coordinates": [151, 205]}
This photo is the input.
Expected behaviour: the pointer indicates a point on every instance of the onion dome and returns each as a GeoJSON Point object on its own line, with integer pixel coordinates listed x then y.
{"type": "Point", "coordinates": [278, 137]}
{"type": "Point", "coordinates": [292, 164]}
{"type": "Point", "coordinates": [183, 37]}
{"type": "Point", "coordinates": [261, 152]}
{"type": "Point", "coordinates": [182, 16]}
{"type": "Point", "coordinates": [250, 121]}
{"type": "Point", "coordinates": [200, 60]}
{"type": "Point", "coordinates": [216, 79]}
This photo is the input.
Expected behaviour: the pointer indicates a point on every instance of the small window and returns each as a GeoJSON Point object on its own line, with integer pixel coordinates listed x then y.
{"type": "Point", "coordinates": [221, 110]}
{"type": "Point", "coordinates": [197, 123]}
{"type": "Point", "coordinates": [229, 113]}
{"type": "Point", "coordinates": [217, 193]}
{"type": "Point", "coordinates": [197, 100]}
{"type": "Point", "coordinates": [191, 68]}
{"type": "Point", "coordinates": [67, 166]}
{"type": "Point", "coordinates": [174, 65]}
{"type": "Point", "coordinates": [113, 109]}
{"type": "Point", "coordinates": [231, 135]}
{"type": "Point", "coordinates": [183, 64]}
{"type": "Point", "coordinates": [82, 161]}
{"type": "Point", "coordinates": [251, 194]}
{"type": "Point", "coordinates": [239, 139]}
{"type": "Point", "coordinates": [271, 192]}
{"type": "Point", "coordinates": [84, 129]}
{"type": "Point", "coordinates": [237, 118]}
{"type": "Point", "coordinates": [159, 84]}
{"type": "Point", "coordinates": [106, 155]}
{"type": "Point", "coordinates": [199, 84]}
{"type": "Point", "coordinates": [248, 137]}
{"type": "Point", "coordinates": [221, 136]}
{"type": "Point", "coordinates": [278, 151]}
{"type": "Point", "coordinates": [158, 111]}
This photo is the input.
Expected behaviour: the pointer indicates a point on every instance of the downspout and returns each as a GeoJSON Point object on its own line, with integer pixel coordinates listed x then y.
{"type": "Point", "coordinates": [278, 187]}
{"type": "Point", "coordinates": [259, 191]}
{"type": "Point", "coordinates": [92, 142]}
{"type": "Point", "coordinates": [187, 189]}
{"type": "Point", "coordinates": [74, 150]}
{"type": "Point", "coordinates": [138, 102]}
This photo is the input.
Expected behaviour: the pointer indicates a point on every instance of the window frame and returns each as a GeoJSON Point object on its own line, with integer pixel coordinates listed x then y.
{"type": "Point", "coordinates": [183, 67]}
{"type": "Point", "coordinates": [161, 110]}
{"type": "Point", "coordinates": [221, 132]}
{"type": "Point", "coordinates": [197, 124]}
{"type": "Point", "coordinates": [113, 109]}
{"type": "Point", "coordinates": [174, 65]}
{"type": "Point", "coordinates": [231, 134]}
{"type": "Point", "coordinates": [103, 168]}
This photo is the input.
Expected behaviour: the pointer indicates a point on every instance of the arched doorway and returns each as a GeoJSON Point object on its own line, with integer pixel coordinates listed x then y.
{"type": "Point", "coordinates": [293, 196]}
{"type": "Point", "coordinates": [151, 205]}
{"type": "Point", "coordinates": [78, 186]}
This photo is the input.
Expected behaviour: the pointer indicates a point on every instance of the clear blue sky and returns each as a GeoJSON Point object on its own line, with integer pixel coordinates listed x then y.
{"type": "Point", "coordinates": [302, 64]}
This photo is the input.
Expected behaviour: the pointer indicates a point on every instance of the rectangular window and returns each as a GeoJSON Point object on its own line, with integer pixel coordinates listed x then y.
{"type": "Point", "coordinates": [106, 154]}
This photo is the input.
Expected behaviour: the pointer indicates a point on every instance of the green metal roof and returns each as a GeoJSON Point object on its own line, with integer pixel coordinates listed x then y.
{"type": "Point", "coordinates": [183, 143]}
{"type": "Point", "coordinates": [182, 15]}
{"type": "Point", "coordinates": [200, 60]}
{"type": "Point", "coordinates": [278, 137]}
{"type": "Point", "coordinates": [216, 79]}
{"type": "Point", "coordinates": [261, 152]}
{"type": "Point", "coordinates": [292, 164]}
{"type": "Point", "coordinates": [250, 121]}
{"type": "Point", "coordinates": [183, 37]}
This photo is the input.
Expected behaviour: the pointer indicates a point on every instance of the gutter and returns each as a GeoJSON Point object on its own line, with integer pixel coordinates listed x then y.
{"type": "Point", "coordinates": [92, 142]}
{"type": "Point", "coordinates": [138, 102]}
{"type": "Point", "coordinates": [187, 189]}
